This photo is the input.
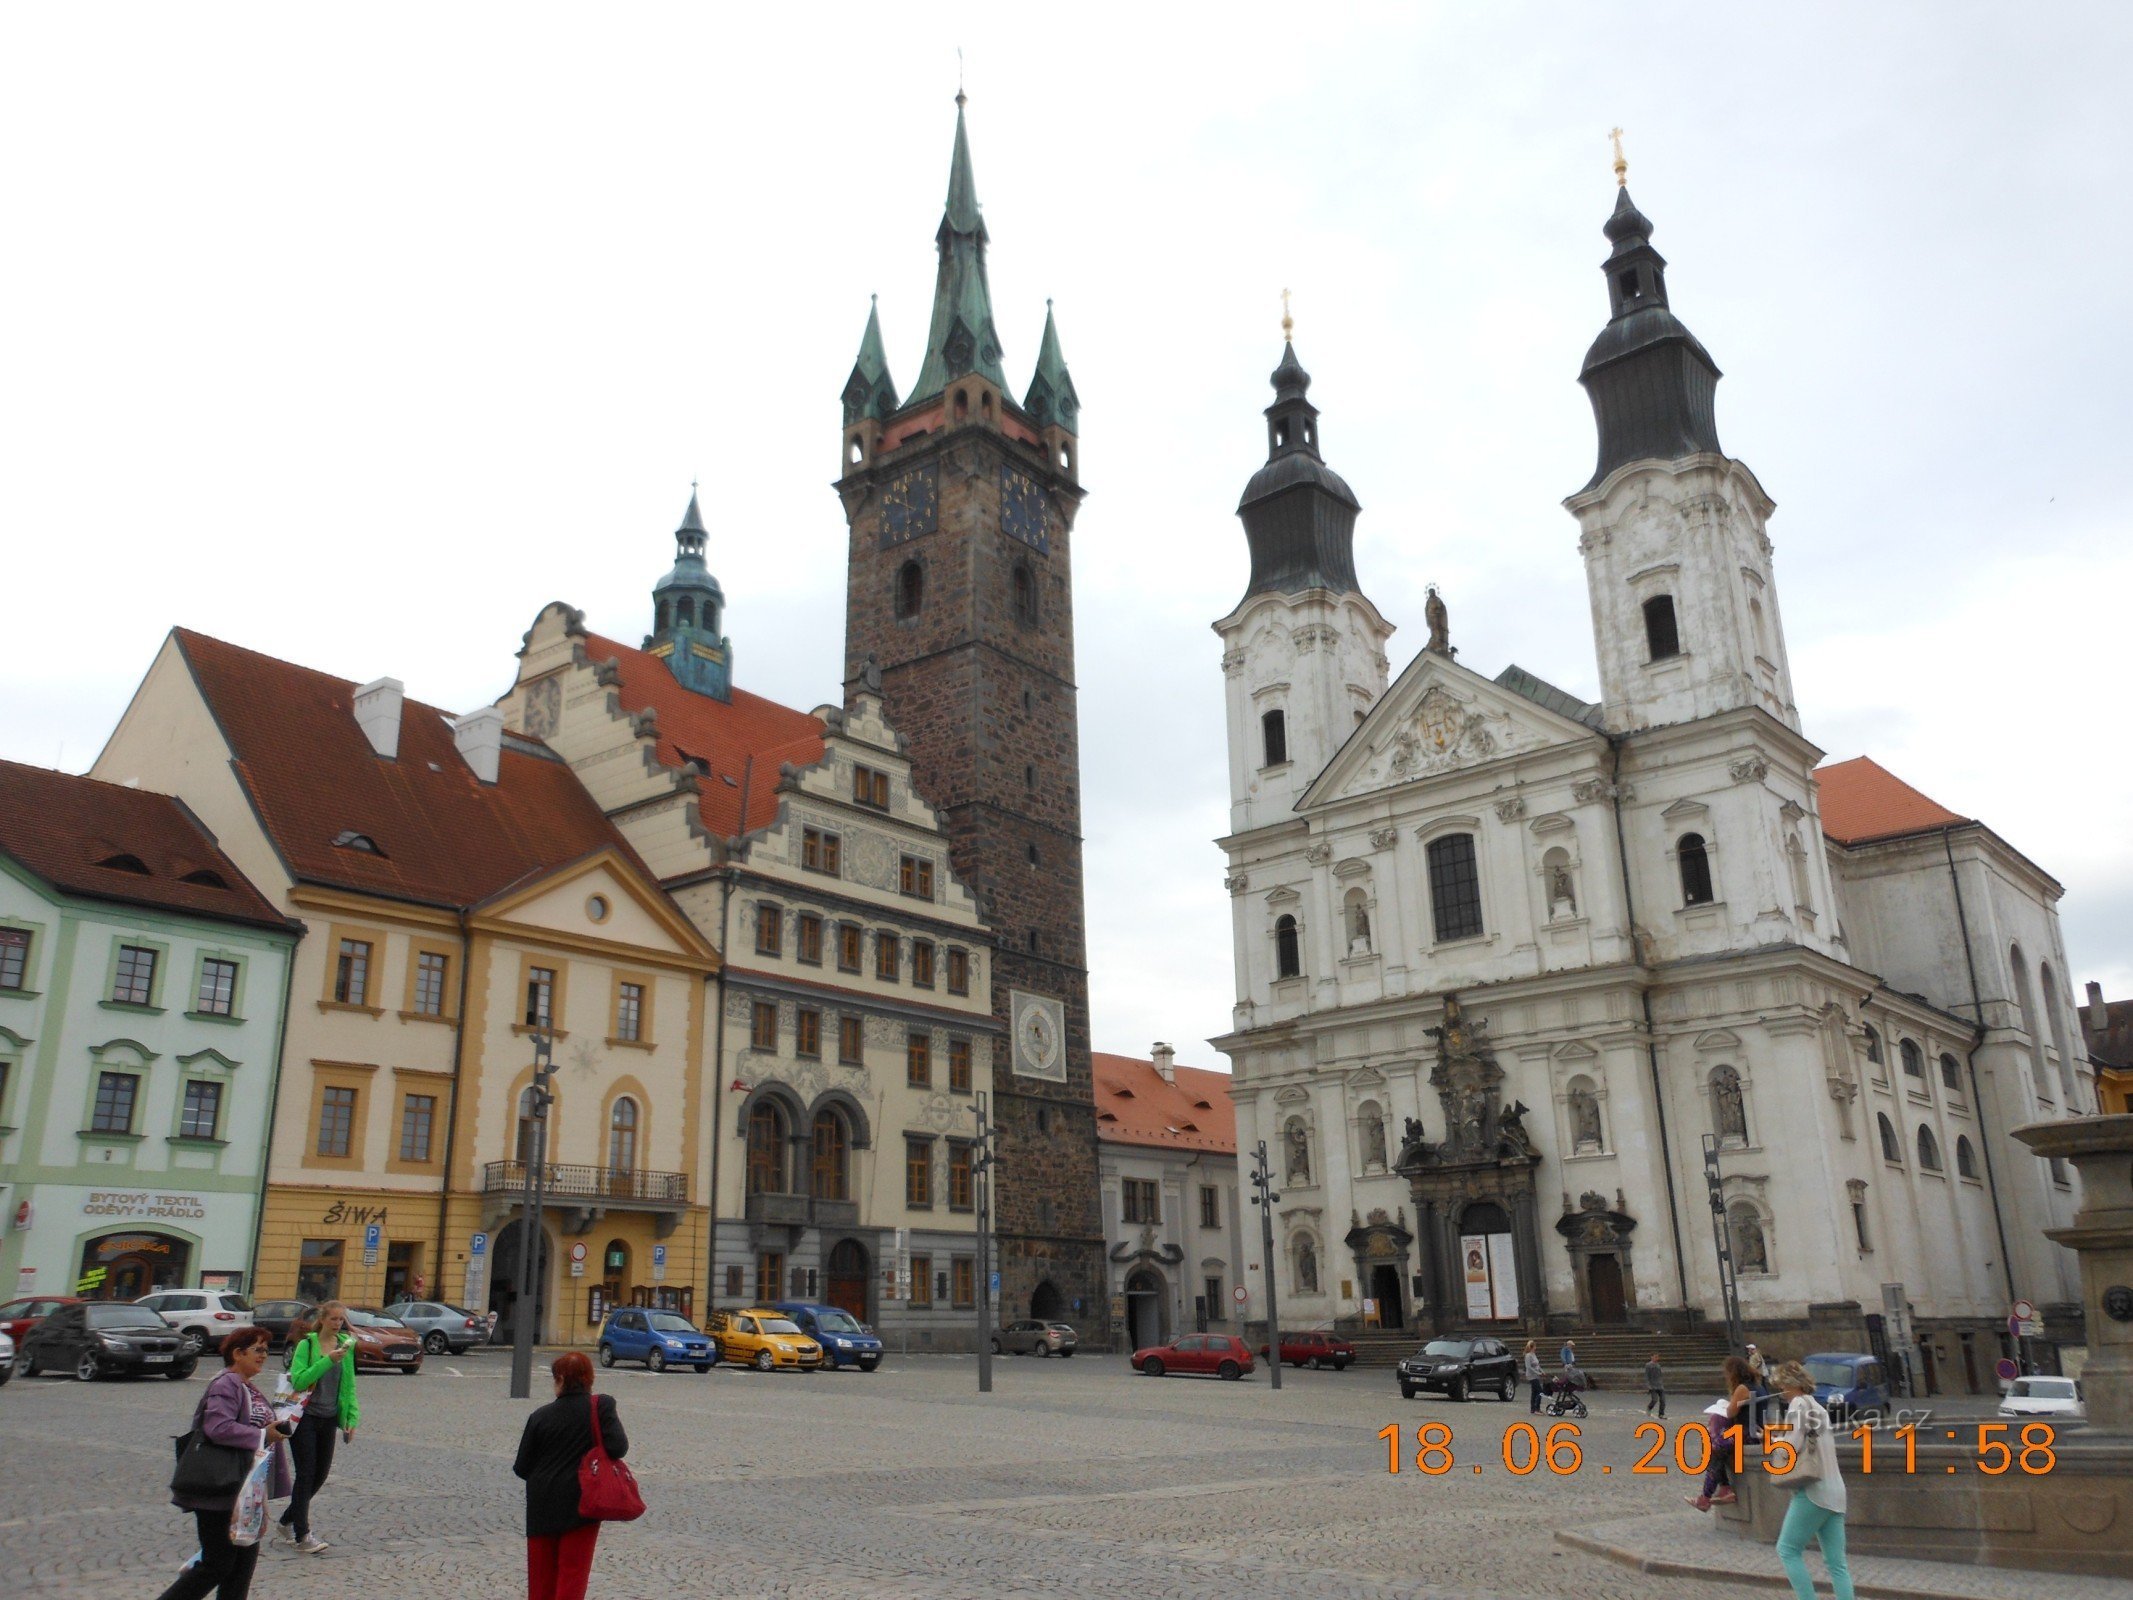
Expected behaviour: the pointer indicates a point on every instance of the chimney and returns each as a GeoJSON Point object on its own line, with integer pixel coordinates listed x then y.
{"type": "Point", "coordinates": [2098, 1018]}
{"type": "Point", "coordinates": [480, 738]}
{"type": "Point", "coordinates": [1165, 1061]}
{"type": "Point", "coordinates": [377, 713]}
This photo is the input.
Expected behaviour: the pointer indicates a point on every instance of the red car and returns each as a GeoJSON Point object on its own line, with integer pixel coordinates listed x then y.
{"type": "Point", "coordinates": [17, 1317]}
{"type": "Point", "coordinates": [1315, 1349]}
{"type": "Point", "coordinates": [1222, 1354]}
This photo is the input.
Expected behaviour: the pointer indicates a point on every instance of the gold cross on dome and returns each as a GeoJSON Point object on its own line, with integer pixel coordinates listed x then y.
{"type": "Point", "coordinates": [1621, 161]}
{"type": "Point", "coordinates": [1288, 323]}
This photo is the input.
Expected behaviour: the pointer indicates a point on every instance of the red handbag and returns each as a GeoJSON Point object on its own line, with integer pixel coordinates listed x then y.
{"type": "Point", "coordinates": [607, 1489]}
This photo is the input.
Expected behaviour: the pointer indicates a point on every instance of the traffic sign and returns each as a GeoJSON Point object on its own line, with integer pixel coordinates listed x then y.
{"type": "Point", "coordinates": [996, 1285]}
{"type": "Point", "coordinates": [2006, 1371]}
{"type": "Point", "coordinates": [577, 1259]}
{"type": "Point", "coordinates": [1238, 1294]}
{"type": "Point", "coordinates": [372, 1234]}
{"type": "Point", "coordinates": [478, 1245]}
{"type": "Point", "coordinates": [2024, 1311]}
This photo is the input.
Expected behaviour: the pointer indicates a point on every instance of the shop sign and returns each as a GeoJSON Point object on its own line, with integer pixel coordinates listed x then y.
{"type": "Point", "coordinates": [25, 1281]}
{"type": "Point", "coordinates": [342, 1211]}
{"type": "Point", "coordinates": [144, 1205]}
{"type": "Point", "coordinates": [25, 1214]}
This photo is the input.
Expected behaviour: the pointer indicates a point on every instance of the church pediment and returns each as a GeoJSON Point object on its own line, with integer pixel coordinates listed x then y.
{"type": "Point", "coordinates": [1438, 718]}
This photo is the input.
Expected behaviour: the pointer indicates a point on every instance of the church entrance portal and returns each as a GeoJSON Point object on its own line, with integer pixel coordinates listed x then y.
{"type": "Point", "coordinates": [844, 1283]}
{"type": "Point", "coordinates": [1603, 1274]}
{"type": "Point", "coordinates": [1385, 1290]}
{"type": "Point", "coordinates": [1145, 1305]}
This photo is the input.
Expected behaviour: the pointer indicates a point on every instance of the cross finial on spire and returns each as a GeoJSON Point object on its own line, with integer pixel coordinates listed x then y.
{"type": "Point", "coordinates": [1288, 323]}
{"type": "Point", "coordinates": [959, 97]}
{"type": "Point", "coordinates": [1621, 160]}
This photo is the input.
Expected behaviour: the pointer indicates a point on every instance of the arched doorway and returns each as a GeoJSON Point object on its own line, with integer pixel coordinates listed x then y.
{"type": "Point", "coordinates": [1386, 1290]}
{"type": "Point", "coordinates": [1147, 1305]}
{"type": "Point", "coordinates": [1488, 1263]}
{"type": "Point", "coordinates": [844, 1282]}
{"type": "Point", "coordinates": [504, 1296]}
{"type": "Point", "coordinates": [125, 1266]}
{"type": "Point", "coordinates": [1046, 1303]}
{"type": "Point", "coordinates": [1603, 1278]}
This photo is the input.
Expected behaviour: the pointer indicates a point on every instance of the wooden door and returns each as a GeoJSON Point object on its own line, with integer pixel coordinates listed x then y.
{"type": "Point", "coordinates": [1604, 1275]}
{"type": "Point", "coordinates": [844, 1283]}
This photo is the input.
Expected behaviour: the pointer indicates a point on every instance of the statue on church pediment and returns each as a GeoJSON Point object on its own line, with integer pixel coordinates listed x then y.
{"type": "Point", "coordinates": [1470, 1084]}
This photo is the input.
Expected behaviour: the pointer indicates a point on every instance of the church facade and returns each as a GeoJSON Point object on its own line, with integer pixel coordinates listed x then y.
{"type": "Point", "coordinates": [1562, 1014]}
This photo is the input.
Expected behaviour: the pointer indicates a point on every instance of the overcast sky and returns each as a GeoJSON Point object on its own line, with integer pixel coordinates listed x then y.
{"type": "Point", "coordinates": [357, 338]}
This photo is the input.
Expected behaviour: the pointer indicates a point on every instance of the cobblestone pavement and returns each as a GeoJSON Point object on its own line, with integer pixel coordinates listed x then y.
{"type": "Point", "coordinates": [1074, 1478]}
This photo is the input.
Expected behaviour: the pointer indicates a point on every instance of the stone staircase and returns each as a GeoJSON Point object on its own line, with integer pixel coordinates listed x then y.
{"type": "Point", "coordinates": [1613, 1356]}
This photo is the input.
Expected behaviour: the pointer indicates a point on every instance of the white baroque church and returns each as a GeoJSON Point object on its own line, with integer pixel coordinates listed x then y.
{"type": "Point", "coordinates": [1508, 962]}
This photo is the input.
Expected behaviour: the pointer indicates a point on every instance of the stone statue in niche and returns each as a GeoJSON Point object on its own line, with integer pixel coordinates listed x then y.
{"type": "Point", "coordinates": [1730, 1111]}
{"type": "Point", "coordinates": [1306, 1267]}
{"type": "Point", "coordinates": [1562, 896]}
{"type": "Point", "coordinates": [1358, 926]}
{"type": "Point", "coordinates": [1374, 1141]}
{"type": "Point", "coordinates": [1299, 1148]}
{"type": "Point", "coordinates": [1439, 620]}
{"type": "Point", "coordinates": [1584, 1120]}
{"type": "Point", "coordinates": [1750, 1251]}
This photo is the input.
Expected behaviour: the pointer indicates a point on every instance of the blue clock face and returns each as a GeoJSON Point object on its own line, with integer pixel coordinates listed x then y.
{"type": "Point", "coordinates": [911, 505]}
{"type": "Point", "coordinates": [1022, 509]}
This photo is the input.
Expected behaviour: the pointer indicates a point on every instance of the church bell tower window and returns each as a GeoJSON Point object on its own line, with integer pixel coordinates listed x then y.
{"type": "Point", "coordinates": [910, 588]}
{"type": "Point", "coordinates": [1288, 949]}
{"type": "Point", "coordinates": [1661, 633]}
{"type": "Point", "coordinates": [1695, 870]}
{"type": "Point", "coordinates": [1274, 730]}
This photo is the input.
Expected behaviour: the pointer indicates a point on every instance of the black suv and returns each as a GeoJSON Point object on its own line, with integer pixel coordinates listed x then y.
{"type": "Point", "coordinates": [1458, 1367]}
{"type": "Point", "coordinates": [98, 1337]}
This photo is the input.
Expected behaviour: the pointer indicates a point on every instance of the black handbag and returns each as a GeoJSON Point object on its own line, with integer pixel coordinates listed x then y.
{"type": "Point", "coordinates": [207, 1470]}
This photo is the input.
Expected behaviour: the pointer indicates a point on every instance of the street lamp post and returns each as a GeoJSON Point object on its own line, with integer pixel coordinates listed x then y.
{"type": "Point", "coordinates": [981, 1160]}
{"type": "Point", "coordinates": [1264, 1200]}
{"type": "Point", "coordinates": [529, 1253]}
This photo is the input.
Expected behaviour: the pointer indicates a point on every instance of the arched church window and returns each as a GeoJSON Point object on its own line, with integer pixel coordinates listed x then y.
{"type": "Point", "coordinates": [685, 612]}
{"type": "Point", "coordinates": [1695, 859]}
{"type": "Point", "coordinates": [1454, 887]}
{"type": "Point", "coordinates": [1965, 1158]}
{"type": "Point", "coordinates": [1928, 1150]}
{"type": "Point", "coordinates": [1274, 736]}
{"type": "Point", "coordinates": [1873, 1046]}
{"type": "Point", "coordinates": [1762, 633]}
{"type": "Point", "coordinates": [1744, 1228]}
{"type": "Point", "coordinates": [910, 588]}
{"type": "Point", "coordinates": [1729, 1107]}
{"type": "Point", "coordinates": [1587, 1137]}
{"type": "Point", "coordinates": [1913, 1058]}
{"type": "Point", "coordinates": [1951, 1075]}
{"type": "Point", "coordinates": [1288, 949]}
{"type": "Point", "coordinates": [1661, 635]}
{"type": "Point", "coordinates": [2026, 1003]}
{"type": "Point", "coordinates": [1891, 1146]}
{"type": "Point", "coordinates": [1024, 586]}
{"type": "Point", "coordinates": [1355, 912]}
{"type": "Point", "coordinates": [1796, 861]}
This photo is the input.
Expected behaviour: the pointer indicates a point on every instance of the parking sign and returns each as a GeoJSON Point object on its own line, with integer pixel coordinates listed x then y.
{"type": "Point", "coordinates": [372, 1234]}
{"type": "Point", "coordinates": [479, 1246]}
{"type": "Point", "coordinates": [659, 1263]}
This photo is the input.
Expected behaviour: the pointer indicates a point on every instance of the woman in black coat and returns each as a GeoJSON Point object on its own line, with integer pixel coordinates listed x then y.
{"type": "Point", "coordinates": [559, 1543]}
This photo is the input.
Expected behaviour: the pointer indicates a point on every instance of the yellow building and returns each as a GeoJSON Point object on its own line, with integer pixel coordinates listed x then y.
{"type": "Point", "coordinates": [460, 889]}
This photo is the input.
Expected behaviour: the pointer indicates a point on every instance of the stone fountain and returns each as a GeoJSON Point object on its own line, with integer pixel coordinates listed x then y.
{"type": "Point", "coordinates": [2078, 1515]}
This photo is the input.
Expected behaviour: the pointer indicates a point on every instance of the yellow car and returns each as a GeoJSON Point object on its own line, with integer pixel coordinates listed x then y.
{"type": "Point", "coordinates": [763, 1339]}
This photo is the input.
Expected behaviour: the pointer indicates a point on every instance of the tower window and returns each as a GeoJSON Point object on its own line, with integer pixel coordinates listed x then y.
{"type": "Point", "coordinates": [1024, 588]}
{"type": "Point", "coordinates": [857, 452]}
{"type": "Point", "coordinates": [1626, 283]}
{"type": "Point", "coordinates": [1454, 887]}
{"type": "Point", "coordinates": [1274, 731]}
{"type": "Point", "coordinates": [1032, 855]}
{"type": "Point", "coordinates": [962, 404]}
{"type": "Point", "coordinates": [1695, 860]}
{"type": "Point", "coordinates": [659, 617]}
{"type": "Point", "coordinates": [910, 588]}
{"type": "Point", "coordinates": [1029, 701]}
{"type": "Point", "coordinates": [1661, 636]}
{"type": "Point", "coordinates": [1288, 949]}
{"type": "Point", "coordinates": [685, 613]}
{"type": "Point", "coordinates": [1029, 777]}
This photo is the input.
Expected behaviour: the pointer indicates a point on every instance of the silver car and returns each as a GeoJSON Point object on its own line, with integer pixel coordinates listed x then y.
{"type": "Point", "coordinates": [7, 1358]}
{"type": "Point", "coordinates": [1030, 1337]}
{"type": "Point", "coordinates": [442, 1327]}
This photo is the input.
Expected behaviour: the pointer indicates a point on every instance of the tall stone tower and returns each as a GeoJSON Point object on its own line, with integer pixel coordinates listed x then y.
{"type": "Point", "coordinates": [960, 595]}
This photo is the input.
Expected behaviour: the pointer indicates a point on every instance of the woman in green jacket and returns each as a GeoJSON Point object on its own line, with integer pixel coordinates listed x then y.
{"type": "Point", "coordinates": [323, 1369]}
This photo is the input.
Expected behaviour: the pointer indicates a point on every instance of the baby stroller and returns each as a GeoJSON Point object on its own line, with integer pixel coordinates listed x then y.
{"type": "Point", "coordinates": [1562, 1397]}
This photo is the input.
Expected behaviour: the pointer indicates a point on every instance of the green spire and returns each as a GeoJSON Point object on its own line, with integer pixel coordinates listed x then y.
{"type": "Point", "coordinates": [869, 392]}
{"type": "Point", "coordinates": [1051, 396]}
{"type": "Point", "coordinates": [962, 339]}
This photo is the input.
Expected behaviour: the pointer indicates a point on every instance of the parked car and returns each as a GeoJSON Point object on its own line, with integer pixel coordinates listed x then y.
{"type": "Point", "coordinates": [1222, 1354]}
{"type": "Point", "coordinates": [280, 1317]}
{"type": "Point", "coordinates": [1847, 1383]}
{"type": "Point", "coordinates": [1030, 1337]}
{"type": "Point", "coordinates": [7, 1358]}
{"type": "Point", "coordinates": [204, 1316]}
{"type": "Point", "coordinates": [442, 1327]}
{"type": "Point", "coordinates": [1458, 1367]}
{"type": "Point", "coordinates": [761, 1338]}
{"type": "Point", "coordinates": [94, 1338]}
{"type": "Point", "coordinates": [845, 1340]}
{"type": "Point", "coordinates": [1315, 1349]}
{"type": "Point", "coordinates": [17, 1317]}
{"type": "Point", "coordinates": [382, 1343]}
{"type": "Point", "coordinates": [2044, 1397]}
{"type": "Point", "coordinates": [657, 1338]}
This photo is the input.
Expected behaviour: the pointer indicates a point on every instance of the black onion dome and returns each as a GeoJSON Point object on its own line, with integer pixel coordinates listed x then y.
{"type": "Point", "coordinates": [1299, 514]}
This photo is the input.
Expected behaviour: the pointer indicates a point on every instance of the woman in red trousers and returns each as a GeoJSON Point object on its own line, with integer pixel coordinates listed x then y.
{"type": "Point", "coordinates": [559, 1543]}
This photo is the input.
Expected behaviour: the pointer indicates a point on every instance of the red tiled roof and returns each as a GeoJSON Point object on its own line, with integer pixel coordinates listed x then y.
{"type": "Point", "coordinates": [719, 735]}
{"type": "Point", "coordinates": [62, 828]}
{"type": "Point", "coordinates": [1135, 1106]}
{"type": "Point", "coordinates": [443, 836]}
{"type": "Point", "coordinates": [1863, 801]}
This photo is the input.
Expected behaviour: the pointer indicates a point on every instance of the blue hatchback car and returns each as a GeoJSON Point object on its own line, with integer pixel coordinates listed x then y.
{"type": "Point", "coordinates": [1848, 1383]}
{"type": "Point", "coordinates": [660, 1339]}
{"type": "Point", "coordinates": [845, 1343]}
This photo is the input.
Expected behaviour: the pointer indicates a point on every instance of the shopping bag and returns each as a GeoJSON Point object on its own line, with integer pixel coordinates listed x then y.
{"type": "Point", "coordinates": [248, 1517]}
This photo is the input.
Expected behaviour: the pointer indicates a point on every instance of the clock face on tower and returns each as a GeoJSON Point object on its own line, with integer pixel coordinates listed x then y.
{"type": "Point", "coordinates": [911, 505]}
{"type": "Point", "coordinates": [1022, 508]}
{"type": "Point", "coordinates": [1038, 1024]}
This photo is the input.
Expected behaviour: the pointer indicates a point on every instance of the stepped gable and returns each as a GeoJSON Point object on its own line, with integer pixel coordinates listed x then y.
{"type": "Point", "coordinates": [107, 841]}
{"type": "Point", "coordinates": [1862, 801]}
{"type": "Point", "coordinates": [437, 835]}
{"type": "Point", "coordinates": [721, 736]}
{"type": "Point", "coordinates": [1135, 1106]}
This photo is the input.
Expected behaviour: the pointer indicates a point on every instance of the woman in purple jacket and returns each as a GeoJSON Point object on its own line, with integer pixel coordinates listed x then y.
{"type": "Point", "coordinates": [232, 1412]}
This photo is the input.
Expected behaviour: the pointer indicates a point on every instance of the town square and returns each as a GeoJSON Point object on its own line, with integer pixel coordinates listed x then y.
{"type": "Point", "coordinates": [989, 805]}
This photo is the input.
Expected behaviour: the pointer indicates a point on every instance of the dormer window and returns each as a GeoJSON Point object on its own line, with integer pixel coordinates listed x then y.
{"type": "Point", "coordinates": [349, 839]}
{"type": "Point", "coordinates": [126, 863]}
{"type": "Point", "coordinates": [205, 879]}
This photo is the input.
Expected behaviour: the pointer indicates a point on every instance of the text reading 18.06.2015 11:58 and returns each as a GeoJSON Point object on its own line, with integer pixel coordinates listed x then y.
{"type": "Point", "coordinates": [1525, 1449]}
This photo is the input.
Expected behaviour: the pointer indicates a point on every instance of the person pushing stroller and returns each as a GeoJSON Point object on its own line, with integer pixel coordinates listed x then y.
{"type": "Point", "coordinates": [1565, 1393]}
